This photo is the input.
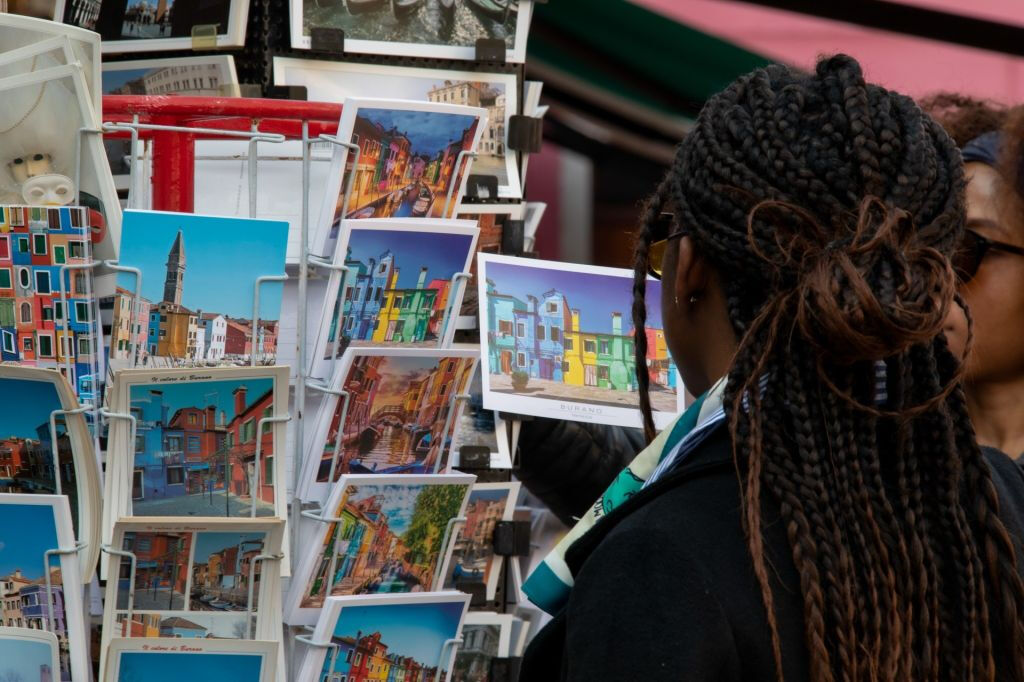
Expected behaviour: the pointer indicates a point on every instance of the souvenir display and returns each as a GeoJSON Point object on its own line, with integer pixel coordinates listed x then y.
{"type": "Point", "coordinates": [399, 287]}
{"type": "Point", "coordinates": [559, 343]}
{"type": "Point", "coordinates": [197, 660]}
{"type": "Point", "coordinates": [396, 637]}
{"type": "Point", "coordinates": [485, 637]}
{"type": "Point", "coordinates": [34, 525]}
{"type": "Point", "coordinates": [29, 463]}
{"type": "Point", "coordinates": [401, 411]}
{"type": "Point", "coordinates": [329, 81]}
{"type": "Point", "coordinates": [444, 29]}
{"type": "Point", "coordinates": [198, 307]}
{"type": "Point", "coordinates": [473, 559]}
{"type": "Point", "coordinates": [141, 26]}
{"type": "Point", "coordinates": [408, 162]}
{"type": "Point", "coordinates": [389, 538]}
{"type": "Point", "coordinates": [195, 580]}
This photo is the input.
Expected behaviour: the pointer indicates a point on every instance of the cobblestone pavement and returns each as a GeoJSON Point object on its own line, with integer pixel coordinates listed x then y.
{"type": "Point", "coordinates": [200, 505]}
{"type": "Point", "coordinates": [148, 599]}
{"type": "Point", "coordinates": [663, 401]}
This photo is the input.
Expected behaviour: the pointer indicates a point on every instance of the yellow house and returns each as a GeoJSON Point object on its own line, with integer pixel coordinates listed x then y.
{"type": "Point", "coordinates": [390, 308]}
{"type": "Point", "coordinates": [580, 355]}
{"type": "Point", "coordinates": [176, 335]}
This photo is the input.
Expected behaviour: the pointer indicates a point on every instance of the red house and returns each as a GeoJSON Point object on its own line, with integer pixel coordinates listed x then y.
{"type": "Point", "coordinates": [203, 441]}
{"type": "Point", "coordinates": [241, 441]}
{"type": "Point", "coordinates": [238, 340]}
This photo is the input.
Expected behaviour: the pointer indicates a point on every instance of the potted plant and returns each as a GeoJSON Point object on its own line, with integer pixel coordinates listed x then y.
{"type": "Point", "coordinates": [519, 380]}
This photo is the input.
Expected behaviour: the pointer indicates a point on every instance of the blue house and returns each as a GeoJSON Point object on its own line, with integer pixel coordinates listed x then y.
{"type": "Point", "coordinates": [505, 344]}
{"type": "Point", "coordinates": [527, 350]}
{"type": "Point", "coordinates": [342, 662]}
{"type": "Point", "coordinates": [182, 628]}
{"type": "Point", "coordinates": [554, 317]}
{"type": "Point", "coordinates": [159, 452]}
{"type": "Point", "coordinates": [36, 612]}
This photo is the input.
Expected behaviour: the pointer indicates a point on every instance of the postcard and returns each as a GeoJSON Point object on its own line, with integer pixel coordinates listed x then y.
{"type": "Point", "coordinates": [143, 26]}
{"type": "Point", "coordinates": [195, 580]}
{"type": "Point", "coordinates": [408, 163]}
{"type": "Point", "coordinates": [35, 524]}
{"type": "Point", "coordinates": [328, 81]}
{"type": "Point", "coordinates": [559, 343]}
{"type": "Point", "coordinates": [43, 110]}
{"type": "Point", "coordinates": [473, 559]}
{"type": "Point", "coordinates": [27, 654]}
{"type": "Point", "coordinates": [478, 427]}
{"type": "Point", "coordinates": [51, 10]}
{"type": "Point", "coordinates": [389, 538]}
{"type": "Point", "coordinates": [485, 636]}
{"type": "Point", "coordinates": [44, 321]}
{"type": "Point", "coordinates": [27, 35]}
{"type": "Point", "coordinates": [491, 219]}
{"type": "Point", "coordinates": [199, 451]}
{"type": "Point", "coordinates": [398, 419]}
{"type": "Point", "coordinates": [399, 289]}
{"type": "Point", "coordinates": [196, 306]}
{"type": "Point", "coordinates": [197, 660]}
{"type": "Point", "coordinates": [398, 638]}
{"type": "Point", "coordinates": [415, 28]}
{"type": "Point", "coordinates": [27, 459]}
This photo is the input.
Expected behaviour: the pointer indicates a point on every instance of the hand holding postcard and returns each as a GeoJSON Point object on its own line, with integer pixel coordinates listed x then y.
{"type": "Point", "coordinates": [400, 287]}
{"type": "Point", "coordinates": [380, 535]}
{"type": "Point", "coordinates": [402, 637]}
{"type": "Point", "coordinates": [409, 162]}
{"type": "Point", "coordinates": [559, 343]}
{"type": "Point", "coordinates": [399, 416]}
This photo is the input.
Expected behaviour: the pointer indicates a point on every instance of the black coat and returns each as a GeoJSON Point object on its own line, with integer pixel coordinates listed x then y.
{"type": "Point", "coordinates": [665, 590]}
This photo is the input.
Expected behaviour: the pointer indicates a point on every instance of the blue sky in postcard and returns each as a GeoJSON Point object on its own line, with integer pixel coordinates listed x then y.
{"type": "Point", "coordinates": [203, 393]}
{"type": "Point", "coordinates": [417, 630]}
{"type": "Point", "coordinates": [223, 259]}
{"type": "Point", "coordinates": [210, 543]}
{"type": "Point", "coordinates": [487, 495]}
{"type": "Point", "coordinates": [596, 296]}
{"type": "Point", "coordinates": [112, 80]}
{"type": "Point", "coordinates": [442, 254]}
{"type": "Point", "coordinates": [21, 659]}
{"type": "Point", "coordinates": [428, 131]}
{"type": "Point", "coordinates": [29, 530]}
{"type": "Point", "coordinates": [396, 501]}
{"type": "Point", "coordinates": [160, 666]}
{"type": "Point", "coordinates": [29, 407]}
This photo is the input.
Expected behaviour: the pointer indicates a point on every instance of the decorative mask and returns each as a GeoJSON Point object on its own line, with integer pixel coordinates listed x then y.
{"type": "Point", "coordinates": [51, 189]}
{"type": "Point", "coordinates": [25, 167]}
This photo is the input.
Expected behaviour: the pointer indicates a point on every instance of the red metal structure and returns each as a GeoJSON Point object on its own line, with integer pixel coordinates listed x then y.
{"type": "Point", "coordinates": [174, 152]}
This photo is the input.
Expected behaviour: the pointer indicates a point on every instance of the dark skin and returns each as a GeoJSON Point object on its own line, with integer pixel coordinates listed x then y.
{"type": "Point", "coordinates": [994, 380]}
{"type": "Point", "coordinates": [698, 332]}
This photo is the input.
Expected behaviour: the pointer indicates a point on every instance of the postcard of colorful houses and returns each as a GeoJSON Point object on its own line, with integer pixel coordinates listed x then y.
{"type": "Point", "coordinates": [473, 559]}
{"type": "Point", "coordinates": [28, 655]}
{"type": "Point", "coordinates": [399, 416]}
{"type": "Point", "coordinates": [410, 160]}
{"type": "Point", "coordinates": [491, 219]}
{"type": "Point", "coordinates": [327, 81]}
{"type": "Point", "coordinates": [30, 464]}
{"type": "Point", "coordinates": [384, 637]}
{"type": "Point", "coordinates": [485, 637]}
{"type": "Point", "coordinates": [195, 580]}
{"type": "Point", "coordinates": [198, 660]}
{"type": "Point", "coordinates": [43, 111]}
{"type": "Point", "coordinates": [34, 525]}
{"type": "Point", "coordinates": [441, 31]}
{"type": "Point", "coordinates": [199, 449]}
{"type": "Point", "coordinates": [47, 311]}
{"type": "Point", "coordinates": [382, 535]}
{"type": "Point", "coordinates": [195, 305]}
{"type": "Point", "coordinates": [559, 343]}
{"type": "Point", "coordinates": [399, 288]}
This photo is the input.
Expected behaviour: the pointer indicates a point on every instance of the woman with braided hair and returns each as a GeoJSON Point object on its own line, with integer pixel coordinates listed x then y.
{"type": "Point", "coordinates": [822, 512]}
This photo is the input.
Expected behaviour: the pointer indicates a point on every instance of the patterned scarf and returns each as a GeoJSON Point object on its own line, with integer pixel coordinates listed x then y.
{"type": "Point", "coordinates": [551, 582]}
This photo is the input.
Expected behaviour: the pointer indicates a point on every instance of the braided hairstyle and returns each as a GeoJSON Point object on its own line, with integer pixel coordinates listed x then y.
{"type": "Point", "coordinates": [829, 208]}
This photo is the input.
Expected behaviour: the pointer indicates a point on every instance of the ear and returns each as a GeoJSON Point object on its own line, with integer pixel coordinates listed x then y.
{"type": "Point", "coordinates": [692, 275]}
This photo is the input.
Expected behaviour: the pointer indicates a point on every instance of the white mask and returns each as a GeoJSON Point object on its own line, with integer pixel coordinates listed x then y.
{"type": "Point", "coordinates": [51, 189]}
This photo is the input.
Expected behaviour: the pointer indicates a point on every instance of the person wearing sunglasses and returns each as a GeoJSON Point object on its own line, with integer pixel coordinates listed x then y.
{"type": "Point", "coordinates": [990, 265]}
{"type": "Point", "coordinates": [821, 511]}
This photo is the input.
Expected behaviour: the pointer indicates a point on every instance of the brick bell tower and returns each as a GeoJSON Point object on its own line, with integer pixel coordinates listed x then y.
{"type": "Point", "coordinates": [175, 271]}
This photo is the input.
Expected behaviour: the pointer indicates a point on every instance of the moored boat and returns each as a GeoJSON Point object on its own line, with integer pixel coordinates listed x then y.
{"type": "Point", "coordinates": [403, 8]}
{"type": "Point", "coordinates": [495, 9]}
{"type": "Point", "coordinates": [360, 6]}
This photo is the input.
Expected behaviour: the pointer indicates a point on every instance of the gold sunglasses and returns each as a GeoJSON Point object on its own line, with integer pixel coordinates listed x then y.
{"type": "Point", "coordinates": [663, 234]}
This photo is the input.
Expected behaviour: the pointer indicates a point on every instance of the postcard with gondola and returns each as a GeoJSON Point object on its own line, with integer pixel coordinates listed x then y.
{"type": "Point", "coordinates": [474, 561]}
{"type": "Point", "coordinates": [398, 413]}
{"type": "Point", "coordinates": [440, 29]}
{"type": "Point", "coordinates": [378, 534]}
{"type": "Point", "coordinates": [413, 160]}
{"type": "Point", "coordinates": [216, 579]}
{"type": "Point", "coordinates": [400, 286]}
{"type": "Point", "coordinates": [138, 659]}
{"type": "Point", "coordinates": [559, 342]}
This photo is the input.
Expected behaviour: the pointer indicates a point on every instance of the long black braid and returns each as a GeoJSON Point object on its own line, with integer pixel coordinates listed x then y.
{"type": "Point", "coordinates": [829, 208]}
